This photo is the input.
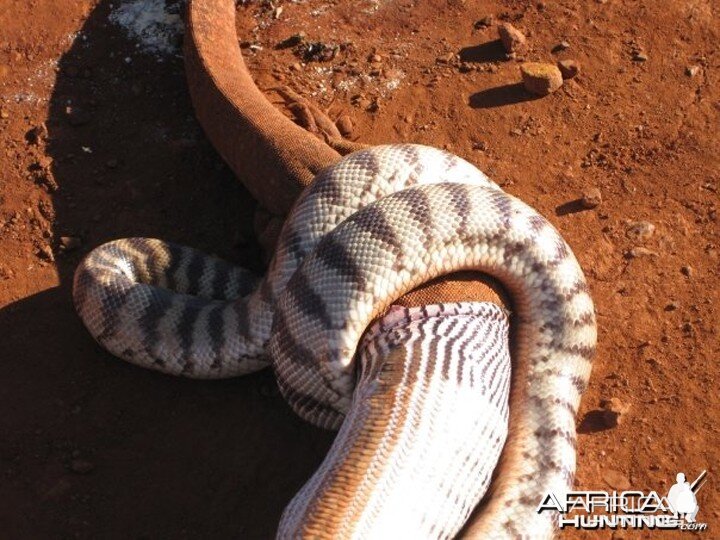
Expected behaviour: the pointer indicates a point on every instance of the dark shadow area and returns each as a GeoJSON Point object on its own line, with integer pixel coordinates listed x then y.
{"type": "Point", "coordinates": [491, 51]}
{"type": "Point", "coordinates": [593, 422]}
{"type": "Point", "coordinates": [500, 96]}
{"type": "Point", "coordinates": [570, 207]}
{"type": "Point", "coordinates": [92, 447]}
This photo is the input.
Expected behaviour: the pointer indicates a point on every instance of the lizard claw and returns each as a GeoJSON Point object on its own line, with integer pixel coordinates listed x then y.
{"type": "Point", "coordinates": [316, 121]}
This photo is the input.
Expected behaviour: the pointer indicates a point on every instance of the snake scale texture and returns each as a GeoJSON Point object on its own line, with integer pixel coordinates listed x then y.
{"type": "Point", "coordinates": [424, 392]}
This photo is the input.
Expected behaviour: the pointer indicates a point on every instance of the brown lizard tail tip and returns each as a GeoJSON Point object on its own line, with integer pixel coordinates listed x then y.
{"type": "Point", "coordinates": [271, 155]}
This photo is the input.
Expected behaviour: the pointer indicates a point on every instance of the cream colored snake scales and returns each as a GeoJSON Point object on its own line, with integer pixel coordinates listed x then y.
{"type": "Point", "coordinates": [369, 229]}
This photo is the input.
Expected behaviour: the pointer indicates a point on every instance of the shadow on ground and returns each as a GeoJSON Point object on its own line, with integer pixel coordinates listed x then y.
{"type": "Point", "coordinates": [499, 96]}
{"type": "Point", "coordinates": [95, 448]}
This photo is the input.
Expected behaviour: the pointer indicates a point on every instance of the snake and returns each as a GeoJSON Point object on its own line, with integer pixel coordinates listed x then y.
{"type": "Point", "coordinates": [370, 228]}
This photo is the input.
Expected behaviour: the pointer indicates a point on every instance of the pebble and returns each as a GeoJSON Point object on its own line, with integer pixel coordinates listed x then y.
{"type": "Point", "coordinates": [70, 243]}
{"type": "Point", "coordinates": [541, 79]}
{"type": "Point", "coordinates": [687, 270]}
{"type": "Point", "coordinates": [4, 114]}
{"type": "Point", "coordinates": [485, 22]}
{"type": "Point", "coordinates": [345, 125]}
{"type": "Point", "coordinates": [637, 252]}
{"type": "Point", "coordinates": [562, 46]}
{"type": "Point", "coordinates": [568, 68]}
{"type": "Point", "coordinates": [640, 230]}
{"type": "Point", "coordinates": [691, 71]}
{"type": "Point", "coordinates": [81, 466]}
{"type": "Point", "coordinates": [591, 198]}
{"type": "Point", "coordinates": [612, 411]}
{"type": "Point", "coordinates": [640, 57]}
{"type": "Point", "coordinates": [512, 39]}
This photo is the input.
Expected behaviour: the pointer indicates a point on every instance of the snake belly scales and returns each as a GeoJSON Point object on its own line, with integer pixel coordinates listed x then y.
{"type": "Point", "coordinates": [370, 228]}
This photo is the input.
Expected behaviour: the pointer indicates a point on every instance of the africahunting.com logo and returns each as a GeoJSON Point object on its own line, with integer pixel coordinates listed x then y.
{"type": "Point", "coordinates": [630, 509]}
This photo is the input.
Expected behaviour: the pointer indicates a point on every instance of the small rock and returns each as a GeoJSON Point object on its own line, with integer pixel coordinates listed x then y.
{"type": "Point", "coordinates": [46, 253]}
{"type": "Point", "coordinates": [591, 198]}
{"type": "Point", "coordinates": [612, 411]}
{"type": "Point", "coordinates": [70, 243]}
{"type": "Point", "coordinates": [640, 57]}
{"type": "Point", "coordinates": [345, 125]}
{"type": "Point", "coordinates": [318, 51]}
{"type": "Point", "coordinates": [541, 79]}
{"type": "Point", "coordinates": [640, 230]}
{"type": "Point", "coordinates": [562, 46]}
{"type": "Point", "coordinates": [375, 59]}
{"type": "Point", "coordinates": [512, 39]}
{"type": "Point", "coordinates": [672, 306]}
{"type": "Point", "coordinates": [568, 68]}
{"type": "Point", "coordinates": [637, 252]}
{"type": "Point", "coordinates": [687, 270]}
{"type": "Point", "coordinates": [616, 479]}
{"type": "Point", "coordinates": [81, 466]}
{"type": "Point", "coordinates": [691, 71]}
{"type": "Point", "coordinates": [296, 66]}
{"type": "Point", "coordinates": [46, 178]}
{"type": "Point", "coordinates": [4, 114]}
{"type": "Point", "coordinates": [485, 22]}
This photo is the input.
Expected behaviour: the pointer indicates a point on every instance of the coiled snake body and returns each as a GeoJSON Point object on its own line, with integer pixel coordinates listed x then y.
{"type": "Point", "coordinates": [369, 229]}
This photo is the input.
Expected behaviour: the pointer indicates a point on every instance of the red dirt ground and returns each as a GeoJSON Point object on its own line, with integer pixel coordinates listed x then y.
{"type": "Point", "coordinates": [93, 448]}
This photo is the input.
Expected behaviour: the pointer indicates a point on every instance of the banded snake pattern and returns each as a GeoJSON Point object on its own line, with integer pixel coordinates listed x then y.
{"type": "Point", "coordinates": [369, 229]}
